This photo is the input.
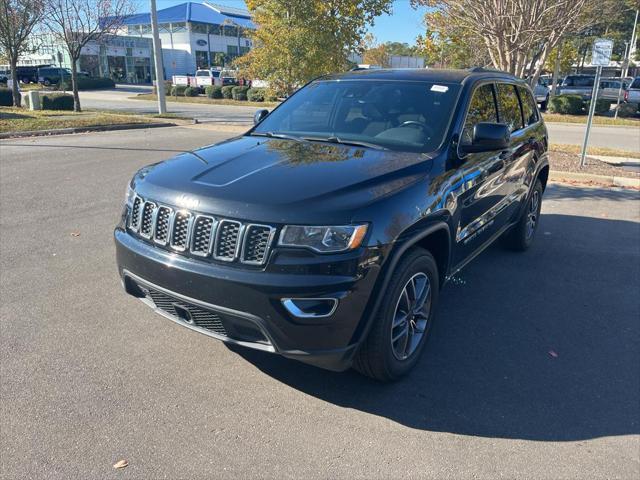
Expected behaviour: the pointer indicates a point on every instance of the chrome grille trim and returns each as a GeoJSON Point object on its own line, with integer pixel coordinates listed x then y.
{"type": "Point", "coordinates": [226, 240]}
{"type": "Point", "coordinates": [222, 236]}
{"type": "Point", "coordinates": [136, 211]}
{"type": "Point", "coordinates": [267, 247]}
{"type": "Point", "coordinates": [164, 229]}
{"type": "Point", "coordinates": [181, 245]}
{"type": "Point", "coordinates": [209, 231]}
{"type": "Point", "coordinates": [147, 220]}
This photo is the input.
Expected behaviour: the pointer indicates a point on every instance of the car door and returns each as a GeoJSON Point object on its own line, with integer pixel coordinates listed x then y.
{"type": "Point", "coordinates": [483, 184]}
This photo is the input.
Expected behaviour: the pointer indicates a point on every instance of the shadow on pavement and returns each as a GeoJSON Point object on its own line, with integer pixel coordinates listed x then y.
{"type": "Point", "coordinates": [543, 345]}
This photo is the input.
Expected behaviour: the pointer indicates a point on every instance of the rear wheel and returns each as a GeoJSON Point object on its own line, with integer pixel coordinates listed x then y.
{"type": "Point", "coordinates": [521, 235]}
{"type": "Point", "coordinates": [543, 105]}
{"type": "Point", "coordinates": [403, 322]}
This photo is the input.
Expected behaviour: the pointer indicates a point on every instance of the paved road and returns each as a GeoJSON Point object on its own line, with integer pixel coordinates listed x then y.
{"type": "Point", "coordinates": [624, 138]}
{"type": "Point", "coordinates": [89, 376]}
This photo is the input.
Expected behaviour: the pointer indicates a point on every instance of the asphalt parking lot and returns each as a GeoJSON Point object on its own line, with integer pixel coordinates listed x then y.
{"type": "Point", "coordinates": [533, 369]}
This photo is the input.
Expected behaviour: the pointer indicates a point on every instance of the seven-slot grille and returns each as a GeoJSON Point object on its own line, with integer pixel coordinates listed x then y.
{"type": "Point", "coordinates": [201, 235]}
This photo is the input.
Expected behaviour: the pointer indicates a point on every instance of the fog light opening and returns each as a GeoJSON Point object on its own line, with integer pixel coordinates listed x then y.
{"type": "Point", "coordinates": [310, 307]}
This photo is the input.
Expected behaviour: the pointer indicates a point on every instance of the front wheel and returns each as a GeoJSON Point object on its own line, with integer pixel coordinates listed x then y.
{"type": "Point", "coordinates": [521, 235]}
{"type": "Point", "coordinates": [402, 325]}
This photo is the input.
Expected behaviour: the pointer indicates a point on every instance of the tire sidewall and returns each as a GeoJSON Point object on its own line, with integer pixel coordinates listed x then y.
{"type": "Point", "coordinates": [527, 241]}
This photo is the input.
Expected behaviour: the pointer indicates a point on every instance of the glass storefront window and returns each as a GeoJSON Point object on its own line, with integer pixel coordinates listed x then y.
{"type": "Point", "coordinates": [232, 49]}
{"type": "Point", "coordinates": [230, 31]}
{"type": "Point", "coordinates": [90, 64]}
{"type": "Point", "coordinates": [178, 27]}
{"type": "Point", "coordinates": [215, 30]}
{"type": "Point", "coordinates": [202, 59]}
{"type": "Point", "coordinates": [198, 27]}
{"type": "Point", "coordinates": [164, 27]}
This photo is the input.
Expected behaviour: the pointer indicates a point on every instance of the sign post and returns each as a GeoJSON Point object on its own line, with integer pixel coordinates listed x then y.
{"type": "Point", "coordinates": [600, 57]}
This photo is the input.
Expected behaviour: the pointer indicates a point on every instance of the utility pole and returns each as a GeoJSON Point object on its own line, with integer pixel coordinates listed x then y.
{"type": "Point", "coordinates": [631, 44]}
{"type": "Point", "coordinates": [157, 56]}
{"type": "Point", "coordinates": [625, 62]}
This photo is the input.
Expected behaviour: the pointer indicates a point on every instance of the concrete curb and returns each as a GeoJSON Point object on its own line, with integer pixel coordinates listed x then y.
{"type": "Point", "coordinates": [96, 128]}
{"type": "Point", "coordinates": [605, 180]}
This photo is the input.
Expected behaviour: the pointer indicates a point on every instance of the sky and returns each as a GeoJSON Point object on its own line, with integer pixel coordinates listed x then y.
{"type": "Point", "coordinates": [403, 25]}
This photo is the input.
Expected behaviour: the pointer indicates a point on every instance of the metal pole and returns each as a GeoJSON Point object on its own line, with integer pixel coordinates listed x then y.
{"type": "Point", "coordinates": [592, 109]}
{"type": "Point", "coordinates": [624, 63]}
{"type": "Point", "coordinates": [633, 40]}
{"type": "Point", "coordinates": [157, 56]}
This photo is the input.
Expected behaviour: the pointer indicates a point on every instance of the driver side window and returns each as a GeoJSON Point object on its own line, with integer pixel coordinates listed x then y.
{"type": "Point", "coordinates": [481, 109]}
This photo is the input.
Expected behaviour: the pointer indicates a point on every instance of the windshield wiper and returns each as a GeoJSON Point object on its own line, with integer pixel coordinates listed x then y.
{"type": "Point", "coordinates": [277, 135]}
{"type": "Point", "coordinates": [355, 143]}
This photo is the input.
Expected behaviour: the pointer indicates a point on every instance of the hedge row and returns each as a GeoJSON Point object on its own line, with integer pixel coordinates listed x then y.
{"type": "Point", "coordinates": [56, 101]}
{"type": "Point", "coordinates": [6, 97]}
{"type": "Point", "coordinates": [85, 83]}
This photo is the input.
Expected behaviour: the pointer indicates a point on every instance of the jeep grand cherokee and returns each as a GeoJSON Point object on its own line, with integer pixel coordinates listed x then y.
{"type": "Point", "coordinates": [326, 232]}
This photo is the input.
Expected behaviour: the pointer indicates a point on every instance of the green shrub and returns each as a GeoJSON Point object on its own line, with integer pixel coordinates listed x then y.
{"type": "Point", "coordinates": [567, 105]}
{"type": "Point", "coordinates": [191, 92]}
{"type": "Point", "coordinates": [178, 90]}
{"type": "Point", "coordinates": [602, 106]}
{"type": "Point", "coordinates": [214, 91]}
{"type": "Point", "coordinates": [239, 93]}
{"type": "Point", "coordinates": [6, 97]}
{"type": "Point", "coordinates": [87, 83]}
{"type": "Point", "coordinates": [226, 91]}
{"type": "Point", "coordinates": [628, 109]}
{"type": "Point", "coordinates": [256, 94]}
{"type": "Point", "coordinates": [57, 101]}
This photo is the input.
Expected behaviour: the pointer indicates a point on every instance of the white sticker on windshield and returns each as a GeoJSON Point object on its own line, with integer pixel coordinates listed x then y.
{"type": "Point", "coordinates": [439, 88]}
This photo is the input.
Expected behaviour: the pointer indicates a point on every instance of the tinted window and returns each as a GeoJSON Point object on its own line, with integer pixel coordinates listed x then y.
{"type": "Point", "coordinates": [509, 106]}
{"type": "Point", "coordinates": [399, 115]}
{"type": "Point", "coordinates": [529, 111]}
{"type": "Point", "coordinates": [636, 83]}
{"type": "Point", "coordinates": [572, 81]}
{"type": "Point", "coordinates": [481, 109]}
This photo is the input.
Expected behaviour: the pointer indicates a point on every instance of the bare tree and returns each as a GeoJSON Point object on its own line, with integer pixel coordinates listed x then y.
{"type": "Point", "coordinates": [517, 34]}
{"type": "Point", "coordinates": [77, 22]}
{"type": "Point", "coordinates": [18, 18]}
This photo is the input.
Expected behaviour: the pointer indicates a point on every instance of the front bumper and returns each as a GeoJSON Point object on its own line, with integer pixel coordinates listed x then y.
{"type": "Point", "coordinates": [244, 306]}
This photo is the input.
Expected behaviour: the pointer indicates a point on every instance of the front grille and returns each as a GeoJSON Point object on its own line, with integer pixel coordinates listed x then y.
{"type": "Point", "coordinates": [146, 220]}
{"type": "Point", "coordinates": [227, 240]}
{"type": "Point", "coordinates": [187, 312]}
{"type": "Point", "coordinates": [256, 240]}
{"type": "Point", "coordinates": [180, 236]}
{"type": "Point", "coordinates": [162, 225]}
{"type": "Point", "coordinates": [134, 220]}
{"type": "Point", "coordinates": [201, 235]}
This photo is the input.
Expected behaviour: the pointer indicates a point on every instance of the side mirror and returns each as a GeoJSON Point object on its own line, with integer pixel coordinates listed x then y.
{"type": "Point", "coordinates": [259, 116]}
{"type": "Point", "coordinates": [489, 137]}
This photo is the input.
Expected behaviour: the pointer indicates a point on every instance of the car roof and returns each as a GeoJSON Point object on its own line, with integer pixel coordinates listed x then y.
{"type": "Point", "coordinates": [422, 74]}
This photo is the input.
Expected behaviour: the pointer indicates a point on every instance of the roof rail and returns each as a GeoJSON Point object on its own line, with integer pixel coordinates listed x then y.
{"type": "Point", "coordinates": [488, 70]}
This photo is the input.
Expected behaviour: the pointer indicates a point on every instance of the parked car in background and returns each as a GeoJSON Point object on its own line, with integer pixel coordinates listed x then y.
{"type": "Point", "coordinates": [632, 95]}
{"type": "Point", "coordinates": [609, 88]}
{"type": "Point", "coordinates": [5, 75]}
{"type": "Point", "coordinates": [577, 85]}
{"type": "Point", "coordinates": [53, 75]}
{"type": "Point", "coordinates": [27, 74]}
{"type": "Point", "coordinates": [207, 77]}
{"type": "Point", "coordinates": [541, 93]}
{"type": "Point", "coordinates": [326, 232]}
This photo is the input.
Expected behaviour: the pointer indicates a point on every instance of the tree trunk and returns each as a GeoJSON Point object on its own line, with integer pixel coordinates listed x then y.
{"type": "Point", "coordinates": [74, 85]}
{"type": "Point", "coordinates": [556, 69]}
{"type": "Point", "coordinates": [17, 98]}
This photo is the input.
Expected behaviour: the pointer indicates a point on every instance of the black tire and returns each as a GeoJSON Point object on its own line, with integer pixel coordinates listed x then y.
{"type": "Point", "coordinates": [520, 237]}
{"type": "Point", "coordinates": [377, 357]}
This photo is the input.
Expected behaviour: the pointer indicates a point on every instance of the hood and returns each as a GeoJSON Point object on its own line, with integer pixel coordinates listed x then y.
{"type": "Point", "coordinates": [277, 180]}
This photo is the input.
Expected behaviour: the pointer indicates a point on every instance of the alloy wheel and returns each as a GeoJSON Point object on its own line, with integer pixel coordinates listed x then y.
{"type": "Point", "coordinates": [411, 316]}
{"type": "Point", "coordinates": [532, 214]}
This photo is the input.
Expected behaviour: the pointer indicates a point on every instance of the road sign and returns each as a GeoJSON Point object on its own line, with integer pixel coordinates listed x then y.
{"type": "Point", "coordinates": [601, 52]}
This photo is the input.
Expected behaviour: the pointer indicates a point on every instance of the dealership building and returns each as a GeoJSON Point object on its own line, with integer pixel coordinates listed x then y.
{"type": "Point", "coordinates": [195, 35]}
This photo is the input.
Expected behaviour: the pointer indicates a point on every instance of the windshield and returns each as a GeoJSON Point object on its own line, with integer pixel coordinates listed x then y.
{"type": "Point", "coordinates": [398, 115]}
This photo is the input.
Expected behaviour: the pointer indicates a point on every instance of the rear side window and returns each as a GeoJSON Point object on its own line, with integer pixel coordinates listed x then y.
{"type": "Point", "coordinates": [636, 83]}
{"type": "Point", "coordinates": [481, 109]}
{"type": "Point", "coordinates": [509, 107]}
{"type": "Point", "coordinates": [529, 111]}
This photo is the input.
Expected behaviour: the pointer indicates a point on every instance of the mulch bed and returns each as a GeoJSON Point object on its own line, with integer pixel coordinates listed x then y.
{"type": "Point", "coordinates": [570, 162]}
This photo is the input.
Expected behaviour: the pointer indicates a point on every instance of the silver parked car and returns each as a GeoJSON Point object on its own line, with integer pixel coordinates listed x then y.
{"type": "Point", "coordinates": [577, 85]}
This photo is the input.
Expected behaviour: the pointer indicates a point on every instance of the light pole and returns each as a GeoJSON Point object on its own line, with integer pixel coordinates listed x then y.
{"type": "Point", "coordinates": [157, 57]}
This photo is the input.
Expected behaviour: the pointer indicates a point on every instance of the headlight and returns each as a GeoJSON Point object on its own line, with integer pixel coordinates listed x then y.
{"type": "Point", "coordinates": [129, 196]}
{"type": "Point", "coordinates": [323, 239]}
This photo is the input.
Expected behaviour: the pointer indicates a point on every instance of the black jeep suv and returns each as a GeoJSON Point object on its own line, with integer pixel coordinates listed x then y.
{"type": "Point", "coordinates": [326, 232]}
